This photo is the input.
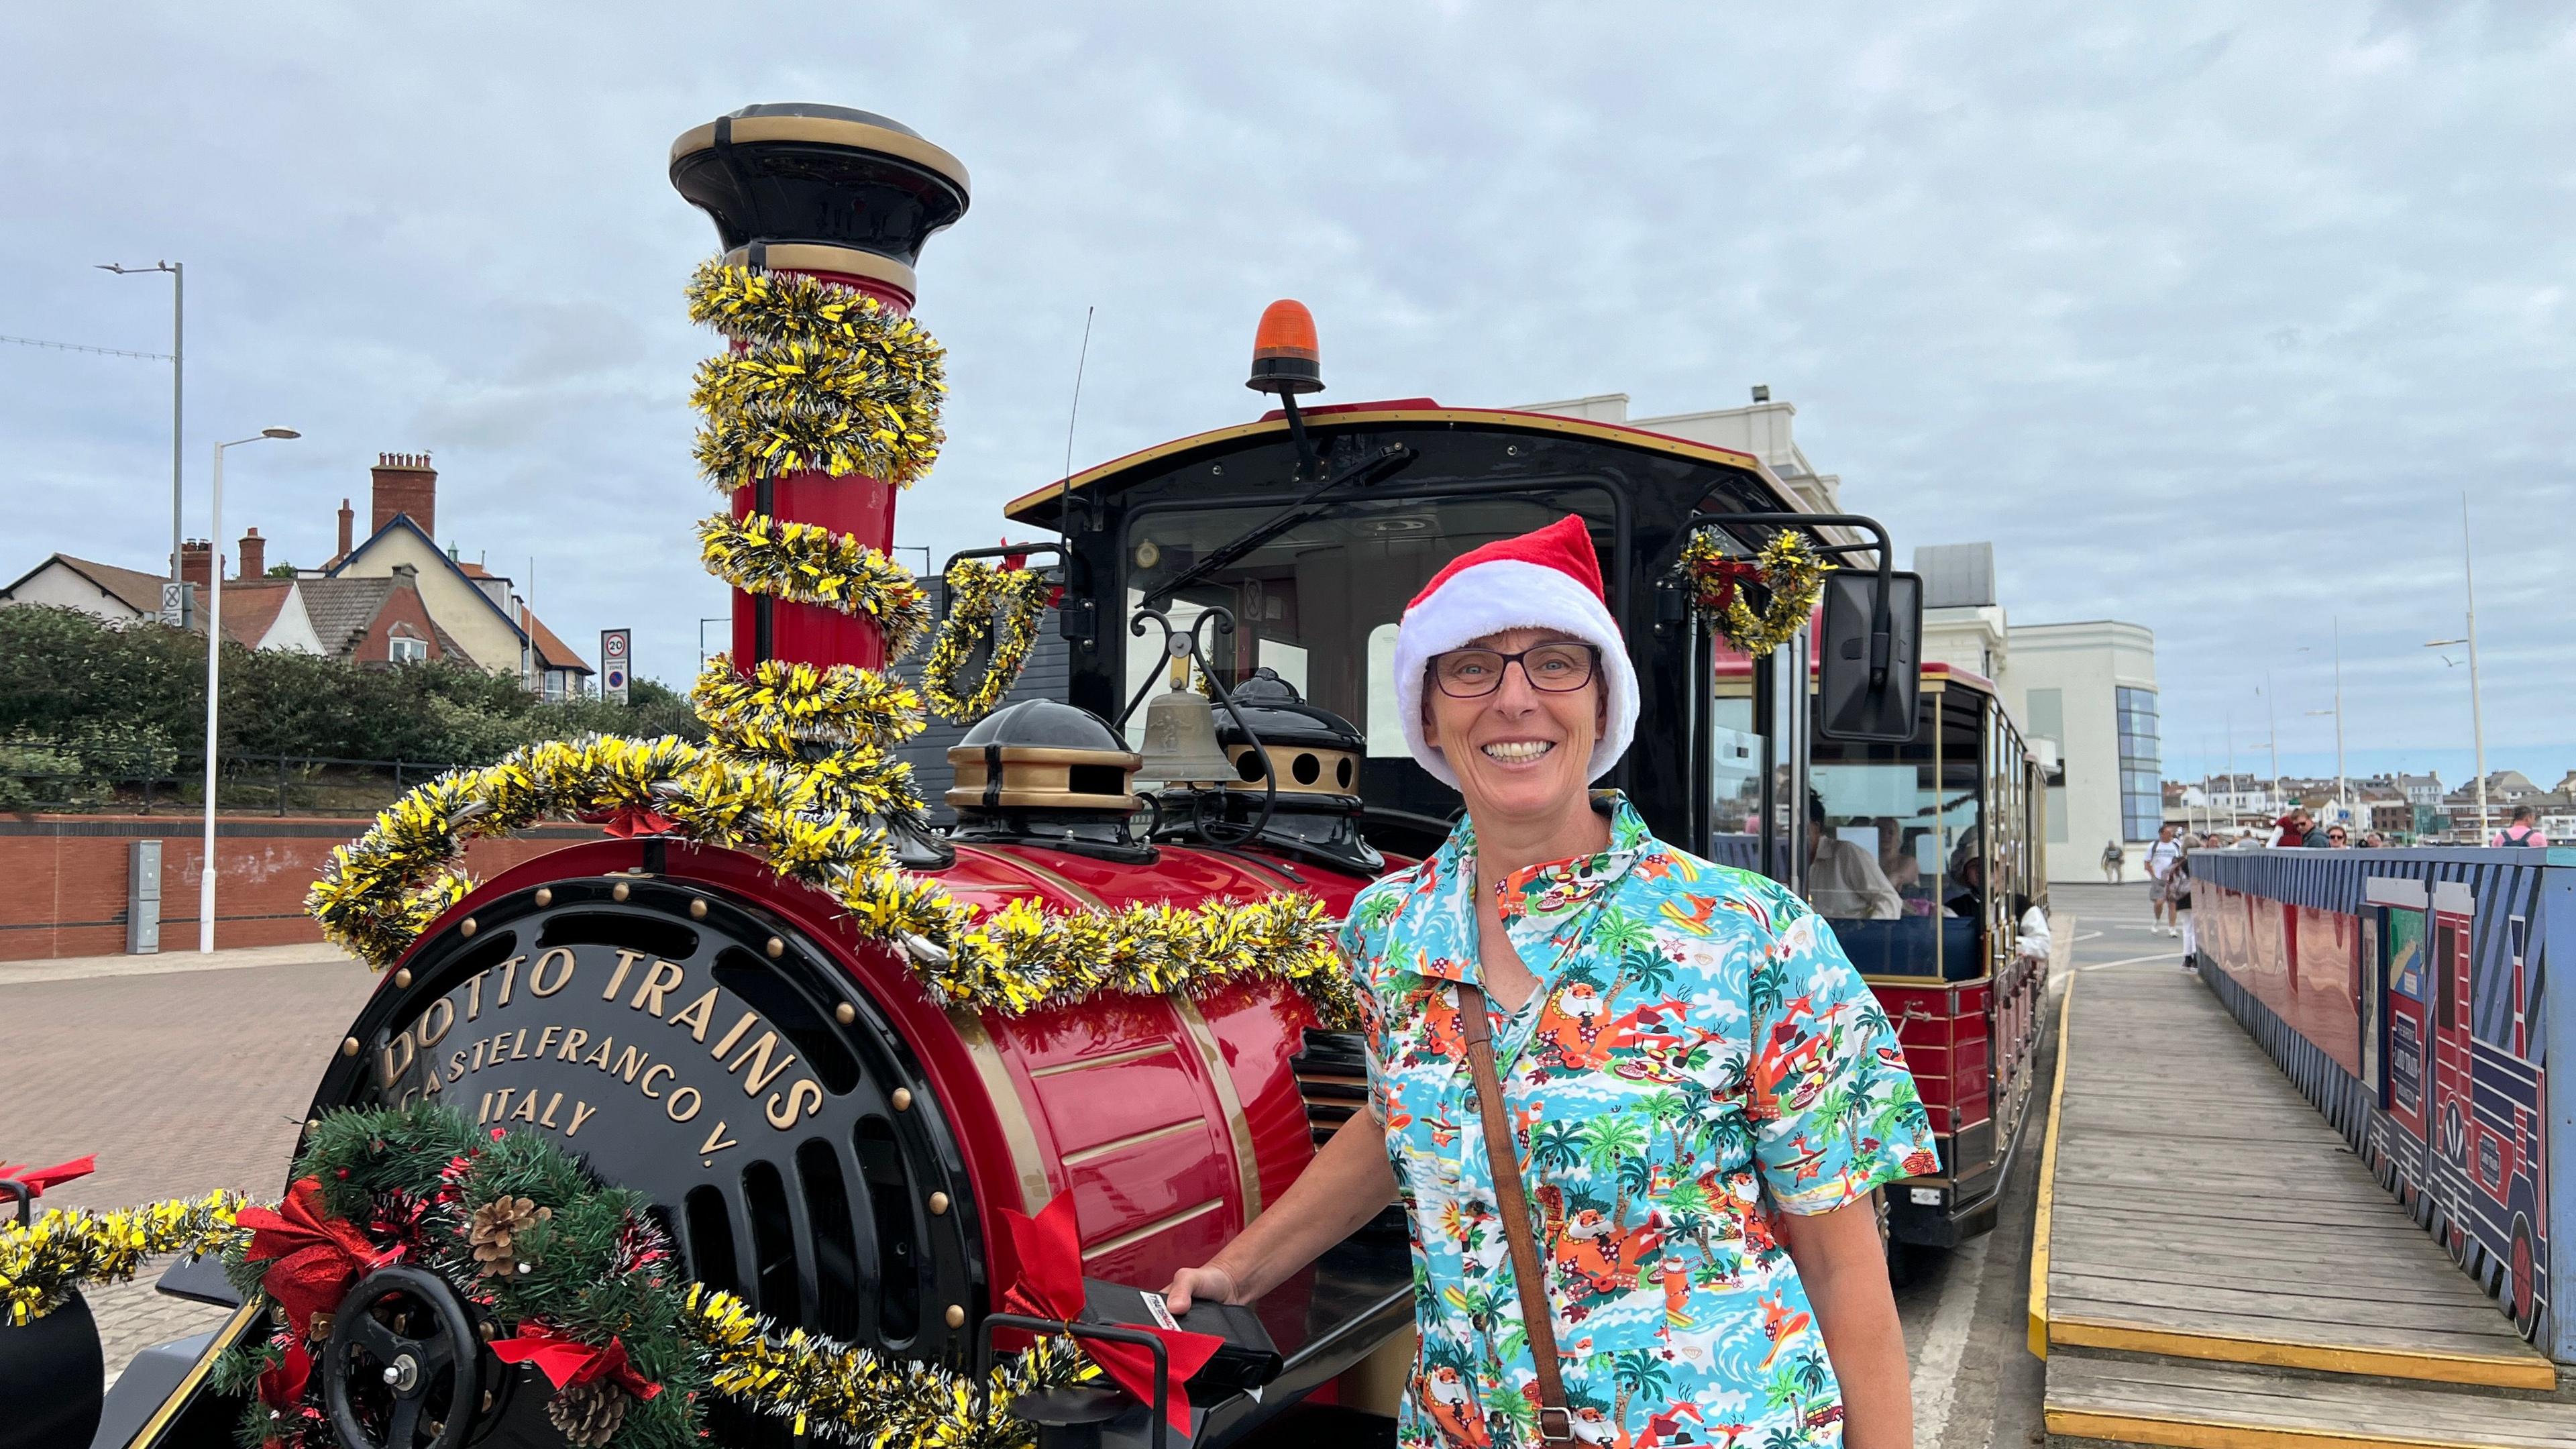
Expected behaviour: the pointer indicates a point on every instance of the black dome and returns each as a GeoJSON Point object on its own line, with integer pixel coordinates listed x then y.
{"type": "Point", "coordinates": [1272, 707]}
{"type": "Point", "coordinates": [1044, 723]}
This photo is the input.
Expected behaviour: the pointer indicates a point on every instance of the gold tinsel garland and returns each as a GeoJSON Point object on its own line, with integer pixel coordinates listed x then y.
{"type": "Point", "coordinates": [806, 563]}
{"type": "Point", "coordinates": [380, 892]}
{"type": "Point", "coordinates": [855, 1396]}
{"type": "Point", "coordinates": [1787, 569]}
{"type": "Point", "coordinates": [826, 379]}
{"type": "Point", "coordinates": [67, 1248]}
{"type": "Point", "coordinates": [984, 603]}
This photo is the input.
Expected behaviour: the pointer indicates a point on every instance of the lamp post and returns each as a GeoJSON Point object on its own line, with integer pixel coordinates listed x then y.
{"type": "Point", "coordinates": [2342, 805]}
{"type": "Point", "coordinates": [2477, 709]}
{"type": "Point", "coordinates": [178, 323]}
{"type": "Point", "coordinates": [214, 665]}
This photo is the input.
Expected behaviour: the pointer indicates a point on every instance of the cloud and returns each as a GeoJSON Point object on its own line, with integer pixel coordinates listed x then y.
{"type": "Point", "coordinates": [2206, 317]}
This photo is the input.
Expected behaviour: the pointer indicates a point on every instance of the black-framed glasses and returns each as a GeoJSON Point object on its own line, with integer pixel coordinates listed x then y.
{"type": "Point", "coordinates": [1558, 668]}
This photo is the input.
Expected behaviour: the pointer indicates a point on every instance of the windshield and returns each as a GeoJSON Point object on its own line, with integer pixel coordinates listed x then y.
{"type": "Point", "coordinates": [1319, 603]}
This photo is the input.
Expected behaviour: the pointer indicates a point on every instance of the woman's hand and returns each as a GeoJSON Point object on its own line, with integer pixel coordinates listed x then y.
{"type": "Point", "coordinates": [1845, 1272]}
{"type": "Point", "coordinates": [1190, 1285]}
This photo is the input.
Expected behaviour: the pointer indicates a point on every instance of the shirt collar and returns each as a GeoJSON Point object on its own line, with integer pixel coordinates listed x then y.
{"type": "Point", "coordinates": [1534, 898]}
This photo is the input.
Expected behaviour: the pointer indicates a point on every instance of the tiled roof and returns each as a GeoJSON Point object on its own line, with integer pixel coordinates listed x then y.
{"type": "Point", "coordinates": [137, 590]}
{"type": "Point", "coordinates": [551, 651]}
{"type": "Point", "coordinates": [342, 608]}
{"type": "Point", "coordinates": [249, 609]}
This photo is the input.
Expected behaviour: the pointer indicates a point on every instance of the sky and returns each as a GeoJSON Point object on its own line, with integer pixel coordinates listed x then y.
{"type": "Point", "coordinates": [2209, 316]}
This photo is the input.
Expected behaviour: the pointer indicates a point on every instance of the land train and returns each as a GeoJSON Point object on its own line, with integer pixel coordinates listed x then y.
{"type": "Point", "coordinates": [822, 1137]}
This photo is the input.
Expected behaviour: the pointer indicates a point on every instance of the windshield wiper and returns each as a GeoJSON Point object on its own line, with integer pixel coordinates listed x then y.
{"type": "Point", "coordinates": [1376, 467]}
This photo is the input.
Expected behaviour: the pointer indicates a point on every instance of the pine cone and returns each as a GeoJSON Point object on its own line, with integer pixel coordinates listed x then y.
{"type": "Point", "coordinates": [495, 1226]}
{"type": "Point", "coordinates": [588, 1414]}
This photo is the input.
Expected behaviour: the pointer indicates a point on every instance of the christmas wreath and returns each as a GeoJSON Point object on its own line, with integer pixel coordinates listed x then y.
{"type": "Point", "coordinates": [562, 1272]}
{"type": "Point", "coordinates": [985, 603]}
{"type": "Point", "coordinates": [1788, 574]}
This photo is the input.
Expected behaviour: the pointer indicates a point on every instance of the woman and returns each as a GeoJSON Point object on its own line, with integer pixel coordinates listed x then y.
{"type": "Point", "coordinates": [1700, 1091]}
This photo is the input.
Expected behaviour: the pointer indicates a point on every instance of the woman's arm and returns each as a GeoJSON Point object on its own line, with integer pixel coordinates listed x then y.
{"type": "Point", "coordinates": [1845, 1271]}
{"type": "Point", "coordinates": [1345, 1186]}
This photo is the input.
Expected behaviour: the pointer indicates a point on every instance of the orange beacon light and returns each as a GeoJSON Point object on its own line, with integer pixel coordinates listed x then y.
{"type": "Point", "coordinates": [1284, 357]}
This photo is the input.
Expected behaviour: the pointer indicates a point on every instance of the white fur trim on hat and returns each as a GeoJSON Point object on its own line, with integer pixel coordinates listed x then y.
{"type": "Point", "coordinates": [1510, 594]}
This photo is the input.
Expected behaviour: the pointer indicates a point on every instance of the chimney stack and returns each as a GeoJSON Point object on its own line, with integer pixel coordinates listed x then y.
{"type": "Point", "coordinates": [253, 556]}
{"type": "Point", "coordinates": [405, 483]}
{"type": "Point", "coordinates": [348, 522]}
{"type": "Point", "coordinates": [197, 564]}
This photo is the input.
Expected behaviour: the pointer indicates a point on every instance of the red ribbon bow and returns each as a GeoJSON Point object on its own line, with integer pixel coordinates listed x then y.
{"type": "Point", "coordinates": [38, 1179]}
{"type": "Point", "coordinates": [568, 1361]}
{"type": "Point", "coordinates": [628, 821]}
{"type": "Point", "coordinates": [315, 1258]}
{"type": "Point", "coordinates": [1046, 1282]}
{"type": "Point", "coordinates": [282, 1386]}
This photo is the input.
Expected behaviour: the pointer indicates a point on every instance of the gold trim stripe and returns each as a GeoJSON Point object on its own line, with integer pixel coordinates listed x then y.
{"type": "Point", "coordinates": [1026, 1160]}
{"type": "Point", "coordinates": [1134, 1139]}
{"type": "Point", "coordinates": [849, 261]}
{"type": "Point", "coordinates": [1133, 1236]}
{"type": "Point", "coordinates": [1049, 877]}
{"type": "Point", "coordinates": [1105, 1059]}
{"type": "Point", "coordinates": [828, 131]}
{"type": "Point", "coordinates": [1478, 417]}
{"type": "Point", "coordinates": [2039, 1325]}
{"type": "Point", "coordinates": [159, 1423]}
{"type": "Point", "coordinates": [2199, 1433]}
{"type": "Point", "coordinates": [1247, 1169]}
{"type": "Point", "coordinates": [2498, 1371]}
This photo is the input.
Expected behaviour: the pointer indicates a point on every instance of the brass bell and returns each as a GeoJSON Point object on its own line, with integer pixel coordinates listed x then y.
{"type": "Point", "coordinates": [1180, 736]}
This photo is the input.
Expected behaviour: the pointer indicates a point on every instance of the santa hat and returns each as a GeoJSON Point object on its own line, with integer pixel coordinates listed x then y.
{"type": "Point", "coordinates": [1548, 579]}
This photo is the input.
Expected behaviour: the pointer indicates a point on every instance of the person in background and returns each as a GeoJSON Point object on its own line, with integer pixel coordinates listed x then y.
{"type": "Point", "coordinates": [1843, 880]}
{"type": "Point", "coordinates": [2337, 838]}
{"type": "Point", "coordinates": [2521, 831]}
{"type": "Point", "coordinates": [2031, 940]}
{"type": "Point", "coordinates": [2178, 893]}
{"type": "Point", "coordinates": [1895, 856]}
{"type": "Point", "coordinates": [2375, 841]}
{"type": "Point", "coordinates": [2293, 828]}
{"type": "Point", "coordinates": [2160, 863]}
{"type": "Point", "coordinates": [2115, 863]}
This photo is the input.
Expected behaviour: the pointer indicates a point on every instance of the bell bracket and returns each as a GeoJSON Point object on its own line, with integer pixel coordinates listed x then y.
{"type": "Point", "coordinates": [1183, 647]}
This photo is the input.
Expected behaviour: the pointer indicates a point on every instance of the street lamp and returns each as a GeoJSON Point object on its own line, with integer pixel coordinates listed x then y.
{"type": "Point", "coordinates": [2477, 717]}
{"type": "Point", "coordinates": [214, 662]}
{"type": "Point", "coordinates": [178, 319]}
{"type": "Point", "coordinates": [2340, 804]}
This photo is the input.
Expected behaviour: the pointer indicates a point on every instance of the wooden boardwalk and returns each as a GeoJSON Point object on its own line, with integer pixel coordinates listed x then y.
{"type": "Point", "coordinates": [2215, 1266]}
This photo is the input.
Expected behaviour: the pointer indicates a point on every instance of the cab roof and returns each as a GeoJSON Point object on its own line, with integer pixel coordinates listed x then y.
{"type": "Point", "coordinates": [1038, 504]}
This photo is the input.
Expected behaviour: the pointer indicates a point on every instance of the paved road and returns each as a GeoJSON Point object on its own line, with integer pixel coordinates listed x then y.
{"type": "Point", "coordinates": [186, 1079]}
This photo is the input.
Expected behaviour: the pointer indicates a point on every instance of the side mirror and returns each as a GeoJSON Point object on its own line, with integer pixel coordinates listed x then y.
{"type": "Point", "coordinates": [1870, 670]}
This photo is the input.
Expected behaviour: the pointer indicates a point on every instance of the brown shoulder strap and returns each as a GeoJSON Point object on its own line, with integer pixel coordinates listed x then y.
{"type": "Point", "coordinates": [1503, 1164]}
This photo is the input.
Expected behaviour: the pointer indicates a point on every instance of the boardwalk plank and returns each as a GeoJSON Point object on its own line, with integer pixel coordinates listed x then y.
{"type": "Point", "coordinates": [2187, 1393]}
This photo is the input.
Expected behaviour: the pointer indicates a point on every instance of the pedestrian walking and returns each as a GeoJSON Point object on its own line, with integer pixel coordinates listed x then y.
{"type": "Point", "coordinates": [2160, 863]}
{"type": "Point", "coordinates": [2521, 831]}
{"type": "Point", "coordinates": [2115, 863]}
{"type": "Point", "coordinates": [2178, 891]}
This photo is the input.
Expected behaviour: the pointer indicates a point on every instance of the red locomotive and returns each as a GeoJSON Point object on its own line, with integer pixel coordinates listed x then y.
{"type": "Point", "coordinates": [821, 1136]}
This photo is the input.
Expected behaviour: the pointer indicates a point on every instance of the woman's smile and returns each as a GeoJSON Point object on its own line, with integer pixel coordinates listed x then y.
{"type": "Point", "coordinates": [1517, 753]}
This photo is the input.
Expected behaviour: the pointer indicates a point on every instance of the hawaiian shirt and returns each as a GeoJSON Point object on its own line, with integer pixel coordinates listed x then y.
{"type": "Point", "coordinates": [1699, 1057]}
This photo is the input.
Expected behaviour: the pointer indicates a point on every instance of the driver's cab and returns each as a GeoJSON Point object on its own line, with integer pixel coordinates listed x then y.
{"type": "Point", "coordinates": [1315, 564]}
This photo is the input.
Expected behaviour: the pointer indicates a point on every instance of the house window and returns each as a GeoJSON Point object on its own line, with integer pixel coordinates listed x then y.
{"type": "Point", "coordinates": [405, 647]}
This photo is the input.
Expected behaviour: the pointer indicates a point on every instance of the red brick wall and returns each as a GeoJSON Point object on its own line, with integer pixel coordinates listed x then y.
{"type": "Point", "coordinates": [67, 884]}
{"type": "Point", "coordinates": [405, 483]}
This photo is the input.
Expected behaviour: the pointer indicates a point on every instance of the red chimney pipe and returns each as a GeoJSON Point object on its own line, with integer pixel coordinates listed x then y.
{"type": "Point", "coordinates": [253, 555]}
{"type": "Point", "coordinates": [348, 522]}
{"type": "Point", "coordinates": [754, 172]}
{"type": "Point", "coordinates": [197, 564]}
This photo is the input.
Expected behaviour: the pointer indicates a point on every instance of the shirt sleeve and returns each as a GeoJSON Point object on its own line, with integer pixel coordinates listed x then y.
{"type": "Point", "coordinates": [1356, 959]}
{"type": "Point", "coordinates": [1834, 1108]}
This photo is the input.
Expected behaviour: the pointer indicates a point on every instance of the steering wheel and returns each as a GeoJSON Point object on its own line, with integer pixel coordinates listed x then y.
{"type": "Point", "coordinates": [402, 1354]}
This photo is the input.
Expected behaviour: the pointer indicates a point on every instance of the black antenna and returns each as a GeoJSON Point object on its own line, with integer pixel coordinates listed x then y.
{"type": "Point", "coordinates": [1064, 490]}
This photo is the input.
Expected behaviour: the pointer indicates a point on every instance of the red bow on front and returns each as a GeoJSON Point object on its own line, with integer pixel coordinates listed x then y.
{"type": "Point", "coordinates": [568, 1361]}
{"type": "Point", "coordinates": [627, 821]}
{"type": "Point", "coordinates": [1046, 1282]}
{"type": "Point", "coordinates": [313, 1258]}
{"type": "Point", "coordinates": [281, 1386]}
{"type": "Point", "coordinates": [38, 1179]}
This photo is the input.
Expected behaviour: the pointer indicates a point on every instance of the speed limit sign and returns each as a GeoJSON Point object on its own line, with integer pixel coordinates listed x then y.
{"type": "Point", "coordinates": [613, 645]}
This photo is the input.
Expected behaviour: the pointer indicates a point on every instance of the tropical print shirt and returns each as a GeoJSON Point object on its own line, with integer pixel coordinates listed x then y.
{"type": "Point", "coordinates": [1699, 1057]}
